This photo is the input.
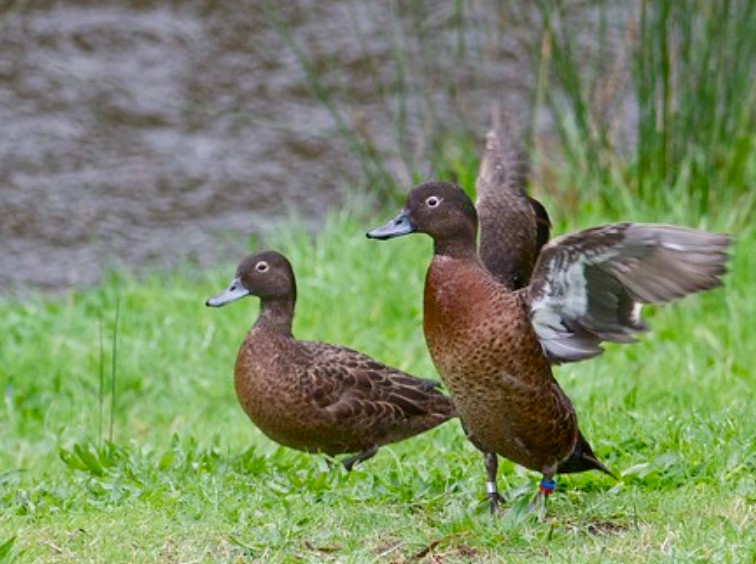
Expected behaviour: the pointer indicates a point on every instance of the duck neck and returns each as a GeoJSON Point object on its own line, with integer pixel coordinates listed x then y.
{"type": "Point", "coordinates": [276, 315]}
{"type": "Point", "coordinates": [456, 247]}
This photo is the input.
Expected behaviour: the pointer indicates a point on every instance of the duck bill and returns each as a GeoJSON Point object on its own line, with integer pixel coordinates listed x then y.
{"type": "Point", "coordinates": [400, 225]}
{"type": "Point", "coordinates": [235, 291]}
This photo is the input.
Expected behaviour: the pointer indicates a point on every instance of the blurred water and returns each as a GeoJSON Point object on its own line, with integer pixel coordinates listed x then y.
{"type": "Point", "coordinates": [151, 133]}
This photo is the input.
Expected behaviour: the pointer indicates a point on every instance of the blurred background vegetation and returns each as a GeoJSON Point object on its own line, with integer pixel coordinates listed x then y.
{"type": "Point", "coordinates": [145, 134]}
{"type": "Point", "coordinates": [631, 106]}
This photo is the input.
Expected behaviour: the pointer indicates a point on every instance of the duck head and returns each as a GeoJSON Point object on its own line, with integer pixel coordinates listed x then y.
{"type": "Point", "coordinates": [439, 209]}
{"type": "Point", "coordinates": [267, 275]}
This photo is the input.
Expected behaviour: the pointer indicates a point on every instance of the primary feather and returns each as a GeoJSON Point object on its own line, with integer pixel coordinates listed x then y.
{"type": "Point", "coordinates": [588, 286]}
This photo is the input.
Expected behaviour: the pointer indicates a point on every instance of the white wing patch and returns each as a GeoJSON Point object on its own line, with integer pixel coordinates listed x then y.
{"type": "Point", "coordinates": [636, 315]}
{"type": "Point", "coordinates": [564, 295]}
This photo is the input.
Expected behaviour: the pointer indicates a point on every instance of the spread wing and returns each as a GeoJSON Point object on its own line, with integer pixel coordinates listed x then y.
{"type": "Point", "coordinates": [513, 226]}
{"type": "Point", "coordinates": [588, 287]}
{"type": "Point", "coordinates": [543, 223]}
{"type": "Point", "coordinates": [503, 166]}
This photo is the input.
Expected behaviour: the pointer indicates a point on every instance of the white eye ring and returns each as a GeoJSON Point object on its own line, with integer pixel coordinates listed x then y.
{"type": "Point", "coordinates": [261, 266]}
{"type": "Point", "coordinates": [432, 201]}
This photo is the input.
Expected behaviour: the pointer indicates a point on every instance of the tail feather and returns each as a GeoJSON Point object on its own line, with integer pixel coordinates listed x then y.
{"type": "Point", "coordinates": [582, 459]}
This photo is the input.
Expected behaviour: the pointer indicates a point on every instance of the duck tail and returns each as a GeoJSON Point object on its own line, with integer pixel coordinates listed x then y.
{"type": "Point", "coordinates": [582, 459]}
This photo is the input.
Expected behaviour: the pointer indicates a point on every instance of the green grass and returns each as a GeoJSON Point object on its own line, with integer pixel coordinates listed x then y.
{"type": "Point", "coordinates": [185, 476]}
{"type": "Point", "coordinates": [168, 468]}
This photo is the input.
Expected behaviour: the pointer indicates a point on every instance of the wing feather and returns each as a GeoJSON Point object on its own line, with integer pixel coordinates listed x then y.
{"type": "Point", "coordinates": [587, 287]}
{"type": "Point", "coordinates": [359, 384]}
{"type": "Point", "coordinates": [513, 226]}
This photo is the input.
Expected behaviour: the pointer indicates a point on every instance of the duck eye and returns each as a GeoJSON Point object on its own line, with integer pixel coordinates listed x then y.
{"type": "Point", "coordinates": [261, 266]}
{"type": "Point", "coordinates": [432, 201]}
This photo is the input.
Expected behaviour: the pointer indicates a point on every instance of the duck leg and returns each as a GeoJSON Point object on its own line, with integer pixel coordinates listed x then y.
{"type": "Point", "coordinates": [361, 457]}
{"type": "Point", "coordinates": [492, 491]}
{"type": "Point", "coordinates": [492, 467]}
{"type": "Point", "coordinates": [546, 487]}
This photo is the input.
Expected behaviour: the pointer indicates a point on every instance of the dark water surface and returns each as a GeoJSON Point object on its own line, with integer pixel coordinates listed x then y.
{"type": "Point", "coordinates": [151, 133]}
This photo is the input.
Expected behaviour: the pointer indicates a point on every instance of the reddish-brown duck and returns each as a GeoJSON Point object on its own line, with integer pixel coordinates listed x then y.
{"type": "Point", "coordinates": [493, 347]}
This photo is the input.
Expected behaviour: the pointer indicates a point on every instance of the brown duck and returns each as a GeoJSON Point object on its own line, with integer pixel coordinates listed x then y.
{"type": "Point", "coordinates": [313, 396]}
{"type": "Point", "coordinates": [494, 347]}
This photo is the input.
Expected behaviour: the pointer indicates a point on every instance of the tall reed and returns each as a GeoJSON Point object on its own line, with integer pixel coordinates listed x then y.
{"type": "Point", "coordinates": [652, 102]}
{"type": "Point", "coordinates": [692, 83]}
